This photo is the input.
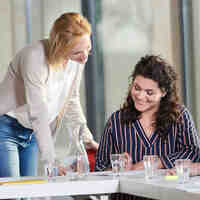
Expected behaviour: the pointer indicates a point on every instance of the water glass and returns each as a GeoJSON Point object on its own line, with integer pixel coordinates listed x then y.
{"type": "Point", "coordinates": [76, 166]}
{"type": "Point", "coordinates": [150, 166]}
{"type": "Point", "coordinates": [183, 170]}
{"type": "Point", "coordinates": [83, 167]}
{"type": "Point", "coordinates": [116, 163]}
{"type": "Point", "coordinates": [51, 170]}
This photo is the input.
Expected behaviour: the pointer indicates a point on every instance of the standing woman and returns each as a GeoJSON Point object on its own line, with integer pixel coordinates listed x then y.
{"type": "Point", "coordinates": [151, 121]}
{"type": "Point", "coordinates": [42, 80]}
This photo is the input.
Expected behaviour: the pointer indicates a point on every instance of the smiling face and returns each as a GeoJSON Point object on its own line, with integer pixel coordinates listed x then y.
{"type": "Point", "coordinates": [81, 50]}
{"type": "Point", "coordinates": [146, 94]}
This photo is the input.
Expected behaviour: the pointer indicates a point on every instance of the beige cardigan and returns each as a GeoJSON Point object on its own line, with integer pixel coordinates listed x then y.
{"type": "Point", "coordinates": [25, 85]}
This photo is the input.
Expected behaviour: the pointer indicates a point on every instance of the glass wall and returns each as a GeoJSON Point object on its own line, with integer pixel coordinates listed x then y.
{"type": "Point", "coordinates": [127, 30]}
{"type": "Point", "coordinates": [196, 56]}
{"type": "Point", "coordinates": [131, 30]}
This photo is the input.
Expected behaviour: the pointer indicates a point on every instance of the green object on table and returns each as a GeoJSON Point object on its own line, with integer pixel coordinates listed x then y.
{"type": "Point", "coordinates": [171, 178]}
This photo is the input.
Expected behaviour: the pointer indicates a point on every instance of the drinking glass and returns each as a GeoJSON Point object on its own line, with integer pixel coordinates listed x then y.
{"type": "Point", "coordinates": [125, 162]}
{"type": "Point", "coordinates": [150, 166]}
{"type": "Point", "coordinates": [116, 163]}
{"type": "Point", "coordinates": [183, 169]}
{"type": "Point", "coordinates": [51, 170]}
{"type": "Point", "coordinates": [76, 167]}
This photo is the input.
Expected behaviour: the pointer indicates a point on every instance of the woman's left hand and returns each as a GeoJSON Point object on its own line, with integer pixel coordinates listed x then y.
{"type": "Point", "coordinates": [62, 171]}
{"type": "Point", "coordinates": [171, 172]}
{"type": "Point", "coordinates": [140, 165]}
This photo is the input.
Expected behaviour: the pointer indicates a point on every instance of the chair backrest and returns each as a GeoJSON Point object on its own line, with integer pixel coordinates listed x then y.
{"type": "Point", "coordinates": [91, 157]}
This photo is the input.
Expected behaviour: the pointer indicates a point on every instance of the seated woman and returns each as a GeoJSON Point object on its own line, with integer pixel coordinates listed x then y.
{"type": "Point", "coordinates": [151, 121]}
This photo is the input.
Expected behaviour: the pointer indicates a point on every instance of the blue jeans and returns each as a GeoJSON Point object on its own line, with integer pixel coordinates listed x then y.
{"type": "Point", "coordinates": [18, 149]}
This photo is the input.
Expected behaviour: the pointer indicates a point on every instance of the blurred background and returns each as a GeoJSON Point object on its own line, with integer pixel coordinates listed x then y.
{"type": "Point", "coordinates": [123, 31]}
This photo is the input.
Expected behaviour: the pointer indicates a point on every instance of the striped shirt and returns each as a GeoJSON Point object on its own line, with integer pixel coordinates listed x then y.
{"type": "Point", "coordinates": [181, 142]}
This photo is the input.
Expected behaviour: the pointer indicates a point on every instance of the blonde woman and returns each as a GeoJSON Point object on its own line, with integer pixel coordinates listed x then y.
{"type": "Point", "coordinates": [40, 88]}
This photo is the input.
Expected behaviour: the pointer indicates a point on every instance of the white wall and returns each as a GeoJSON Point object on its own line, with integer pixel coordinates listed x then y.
{"type": "Point", "coordinates": [6, 40]}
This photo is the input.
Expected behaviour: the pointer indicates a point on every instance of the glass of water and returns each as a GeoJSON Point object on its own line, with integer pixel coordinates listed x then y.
{"type": "Point", "coordinates": [76, 166]}
{"type": "Point", "coordinates": [51, 170]}
{"type": "Point", "coordinates": [116, 163]}
{"type": "Point", "coordinates": [183, 169]}
{"type": "Point", "coordinates": [150, 166]}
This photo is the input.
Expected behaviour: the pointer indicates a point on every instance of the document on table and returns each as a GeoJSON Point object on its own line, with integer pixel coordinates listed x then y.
{"type": "Point", "coordinates": [27, 181]}
{"type": "Point", "coordinates": [110, 173]}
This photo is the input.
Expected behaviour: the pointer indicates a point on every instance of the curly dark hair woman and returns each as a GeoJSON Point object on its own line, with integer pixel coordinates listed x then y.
{"type": "Point", "coordinates": [157, 69]}
{"type": "Point", "coordinates": [151, 122]}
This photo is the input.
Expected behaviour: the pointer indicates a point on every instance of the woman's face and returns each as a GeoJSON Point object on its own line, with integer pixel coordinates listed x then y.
{"type": "Point", "coordinates": [146, 94]}
{"type": "Point", "coordinates": [81, 50]}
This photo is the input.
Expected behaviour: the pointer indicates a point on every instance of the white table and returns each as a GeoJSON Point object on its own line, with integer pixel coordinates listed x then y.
{"type": "Point", "coordinates": [160, 188]}
{"type": "Point", "coordinates": [130, 183]}
{"type": "Point", "coordinates": [61, 187]}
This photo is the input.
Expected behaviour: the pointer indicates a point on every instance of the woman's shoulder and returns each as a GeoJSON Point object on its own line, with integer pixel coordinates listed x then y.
{"type": "Point", "coordinates": [113, 120]}
{"type": "Point", "coordinates": [182, 108]}
{"type": "Point", "coordinates": [34, 50]}
{"type": "Point", "coordinates": [31, 61]}
{"type": "Point", "coordinates": [115, 117]}
{"type": "Point", "coordinates": [115, 114]}
{"type": "Point", "coordinates": [184, 112]}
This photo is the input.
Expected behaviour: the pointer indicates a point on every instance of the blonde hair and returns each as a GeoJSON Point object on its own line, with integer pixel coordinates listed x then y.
{"type": "Point", "coordinates": [64, 35]}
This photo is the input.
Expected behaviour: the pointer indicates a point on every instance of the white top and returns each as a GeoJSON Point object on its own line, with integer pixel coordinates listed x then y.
{"type": "Point", "coordinates": [34, 93]}
{"type": "Point", "coordinates": [57, 86]}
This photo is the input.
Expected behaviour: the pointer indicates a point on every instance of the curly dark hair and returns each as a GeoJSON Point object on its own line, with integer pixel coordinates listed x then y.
{"type": "Point", "coordinates": [157, 69]}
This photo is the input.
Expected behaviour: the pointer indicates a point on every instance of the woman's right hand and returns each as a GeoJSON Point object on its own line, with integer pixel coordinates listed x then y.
{"type": "Point", "coordinates": [138, 166]}
{"type": "Point", "coordinates": [128, 161]}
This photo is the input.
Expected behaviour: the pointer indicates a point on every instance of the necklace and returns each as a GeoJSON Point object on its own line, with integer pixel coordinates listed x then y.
{"type": "Point", "coordinates": [148, 128]}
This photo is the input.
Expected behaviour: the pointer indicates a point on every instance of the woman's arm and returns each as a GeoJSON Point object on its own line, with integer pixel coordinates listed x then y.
{"type": "Point", "coordinates": [140, 165]}
{"type": "Point", "coordinates": [187, 141]}
{"type": "Point", "coordinates": [74, 113]}
{"type": "Point", "coordinates": [105, 148]}
{"type": "Point", "coordinates": [34, 72]}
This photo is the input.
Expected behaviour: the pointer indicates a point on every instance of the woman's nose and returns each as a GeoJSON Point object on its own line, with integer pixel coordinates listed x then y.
{"type": "Point", "coordinates": [141, 95]}
{"type": "Point", "coordinates": [85, 54]}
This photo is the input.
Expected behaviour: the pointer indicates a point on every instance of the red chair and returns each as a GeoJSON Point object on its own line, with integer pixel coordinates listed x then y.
{"type": "Point", "coordinates": [91, 157]}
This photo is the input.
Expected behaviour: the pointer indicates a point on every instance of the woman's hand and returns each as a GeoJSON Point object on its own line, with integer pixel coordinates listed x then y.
{"type": "Point", "coordinates": [62, 171]}
{"type": "Point", "coordinates": [92, 145]}
{"type": "Point", "coordinates": [140, 165]}
{"type": "Point", "coordinates": [194, 170]}
{"type": "Point", "coordinates": [127, 161]}
{"type": "Point", "coordinates": [171, 172]}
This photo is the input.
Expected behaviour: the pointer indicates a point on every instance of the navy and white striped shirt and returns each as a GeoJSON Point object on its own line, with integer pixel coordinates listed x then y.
{"type": "Point", "coordinates": [181, 142]}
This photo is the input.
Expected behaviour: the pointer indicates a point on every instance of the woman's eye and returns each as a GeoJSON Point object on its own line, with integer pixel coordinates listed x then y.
{"type": "Point", "coordinates": [149, 93]}
{"type": "Point", "coordinates": [137, 88]}
{"type": "Point", "coordinates": [77, 53]}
